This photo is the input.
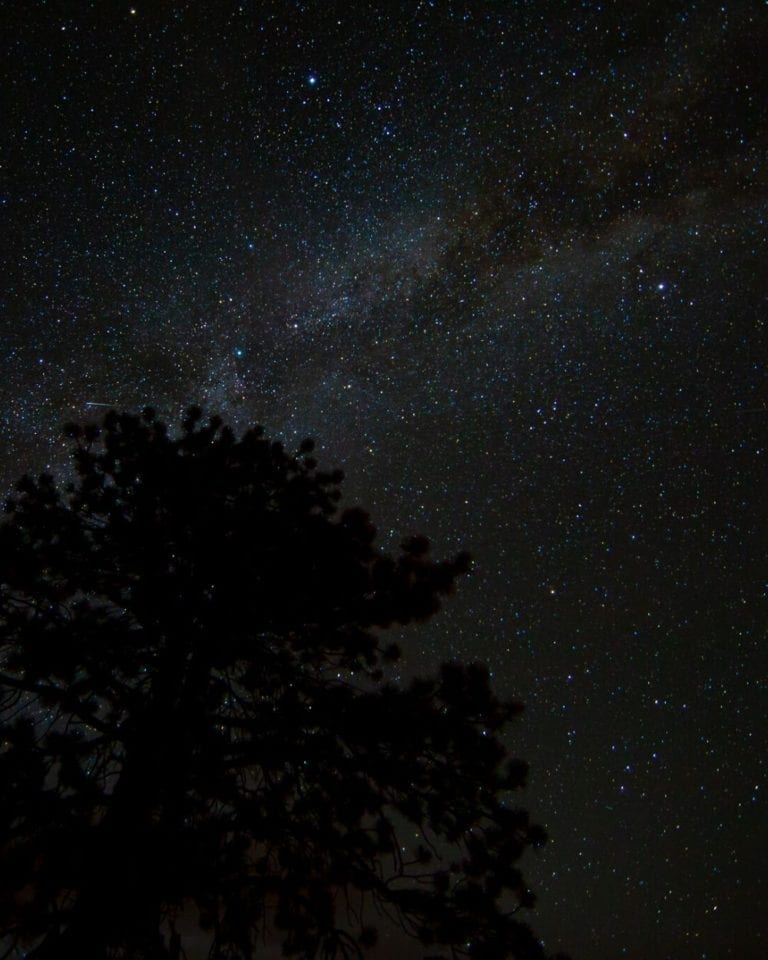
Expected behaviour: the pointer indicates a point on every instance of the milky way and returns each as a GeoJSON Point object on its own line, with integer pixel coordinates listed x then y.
{"type": "Point", "coordinates": [506, 262]}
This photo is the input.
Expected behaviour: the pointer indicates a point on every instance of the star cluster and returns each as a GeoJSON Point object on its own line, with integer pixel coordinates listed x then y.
{"type": "Point", "coordinates": [506, 261]}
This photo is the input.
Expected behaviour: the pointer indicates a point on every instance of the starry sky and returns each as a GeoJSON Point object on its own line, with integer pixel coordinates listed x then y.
{"type": "Point", "coordinates": [506, 262]}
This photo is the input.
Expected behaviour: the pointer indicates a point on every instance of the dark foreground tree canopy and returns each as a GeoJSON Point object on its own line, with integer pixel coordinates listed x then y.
{"type": "Point", "coordinates": [196, 729]}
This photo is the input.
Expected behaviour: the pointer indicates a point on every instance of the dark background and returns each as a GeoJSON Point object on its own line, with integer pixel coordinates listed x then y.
{"type": "Point", "coordinates": [507, 262]}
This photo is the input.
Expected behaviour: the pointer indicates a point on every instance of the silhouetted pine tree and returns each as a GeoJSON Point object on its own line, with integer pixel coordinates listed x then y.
{"type": "Point", "coordinates": [194, 717]}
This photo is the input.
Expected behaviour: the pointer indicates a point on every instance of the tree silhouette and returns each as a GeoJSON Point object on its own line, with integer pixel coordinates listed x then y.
{"type": "Point", "coordinates": [196, 728]}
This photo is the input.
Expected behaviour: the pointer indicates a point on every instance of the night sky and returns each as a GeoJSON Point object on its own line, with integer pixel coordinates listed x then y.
{"type": "Point", "coordinates": [506, 262]}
